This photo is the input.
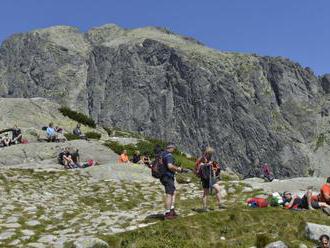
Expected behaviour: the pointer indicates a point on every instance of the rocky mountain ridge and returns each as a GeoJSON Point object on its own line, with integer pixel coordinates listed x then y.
{"type": "Point", "coordinates": [171, 87]}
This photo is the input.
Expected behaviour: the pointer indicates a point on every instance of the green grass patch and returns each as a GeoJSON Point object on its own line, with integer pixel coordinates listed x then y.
{"type": "Point", "coordinates": [93, 135]}
{"type": "Point", "coordinates": [239, 227]}
{"type": "Point", "coordinates": [321, 139]}
{"type": "Point", "coordinates": [71, 136]}
{"type": "Point", "coordinates": [77, 116]}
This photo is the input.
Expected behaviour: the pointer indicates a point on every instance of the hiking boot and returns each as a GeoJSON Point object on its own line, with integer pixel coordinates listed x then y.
{"type": "Point", "coordinates": [169, 216]}
{"type": "Point", "coordinates": [172, 211]}
{"type": "Point", "coordinates": [326, 211]}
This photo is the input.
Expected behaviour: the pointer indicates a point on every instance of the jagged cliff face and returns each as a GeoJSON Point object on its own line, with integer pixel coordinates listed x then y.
{"type": "Point", "coordinates": [171, 87]}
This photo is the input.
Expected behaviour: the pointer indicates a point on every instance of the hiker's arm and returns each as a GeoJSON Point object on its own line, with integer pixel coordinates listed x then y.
{"type": "Point", "coordinates": [326, 196]}
{"type": "Point", "coordinates": [174, 168]}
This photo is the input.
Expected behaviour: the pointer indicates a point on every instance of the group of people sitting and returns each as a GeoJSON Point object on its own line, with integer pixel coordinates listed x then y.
{"type": "Point", "coordinates": [136, 159]}
{"type": "Point", "coordinates": [70, 159]}
{"type": "Point", "coordinates": [52, 132]}
{"type": "Point", "coordinates": [16, 137]}
{"type": "Point", "coordinates": [292, 201]}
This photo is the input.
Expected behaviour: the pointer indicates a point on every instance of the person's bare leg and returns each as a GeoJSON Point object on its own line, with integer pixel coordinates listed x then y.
{"type": "Point", "coordinates": [173, 200]}
{"type": "Point", "coordinates": [309, 199]}
{"type": "Point", "coordinates": [217, 195]}
{"type": "Point", "coordinates": [168, 201]}
{"type": "Point", "coordinates": [204, 198]}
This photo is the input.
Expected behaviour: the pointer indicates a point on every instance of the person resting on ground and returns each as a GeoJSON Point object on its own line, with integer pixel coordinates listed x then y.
{"type": "Point", "coordinates": [324, 241]}
{"type": "Point", "coordinates": [77, 131]}
{"type": "Point", "coordinates": [322, 200]}
{"type": "Point", "coordinates": [123, 158]}
{"type": "Point", "coordinates": [51, 133]}
{"type": "Point", "coordinates": [64, 158]}
{"type": "Point", "coordinates": [6, 141]}
{"type": "Point", "coordinates": [16, 135]}
{"type": "Point", "coordinates": [295, 202]}
{"type": "Point", "coordinates": [208, 171]}
{"type": "Point", "coordinates": [137, 158]}
{"type": "Point", "coordinates": [59, 129]}
{"type": "Point", "coordinates": [146, 160]}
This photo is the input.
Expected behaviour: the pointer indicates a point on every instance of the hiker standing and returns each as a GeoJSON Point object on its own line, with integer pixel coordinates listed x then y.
{"type": "Point", "coordinates": [167, 179]}
{"type": "Point", "coordinates": [208, 171]}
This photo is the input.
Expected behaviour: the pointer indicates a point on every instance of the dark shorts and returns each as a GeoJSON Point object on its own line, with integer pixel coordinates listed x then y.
{"type": "Point", "coordinates": [168, 183]}
{"type": "Point", "coordinates": [315, 204]}
{"type": "Point", "coordinates": [206, 183]}
{"type": "Point", "coordinates": [303, 203]}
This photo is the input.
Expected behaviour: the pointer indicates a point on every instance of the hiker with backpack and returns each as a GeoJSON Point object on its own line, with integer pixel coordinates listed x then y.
{"type": "Point", "coordinates": [65, 159]}
{"type": "Point", "coordinates": [16, 135]}
{"type": "Point", "coordinates": [165, 169]}
{"type": "Point", "coordinates": [208, 171]}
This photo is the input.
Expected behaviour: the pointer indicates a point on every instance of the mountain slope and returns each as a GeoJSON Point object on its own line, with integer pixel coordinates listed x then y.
{"type": "Point", "coordinates": [172, 87]}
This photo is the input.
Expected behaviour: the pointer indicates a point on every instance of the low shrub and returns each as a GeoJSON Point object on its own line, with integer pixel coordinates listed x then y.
{"type": "Point", "coordinates": [93, 135]}
{"type": "Point", "coordinates": [77, 116]}
{"type": "Point", "coordinates": [71, 136]}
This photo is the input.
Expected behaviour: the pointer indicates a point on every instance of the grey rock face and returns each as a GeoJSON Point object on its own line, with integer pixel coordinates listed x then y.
{"type": "Point", "coordinates": [277, 244]}
{"type": "Point", "coordinates": [314, 231]}
{"type": "Point", "coordinates": [171, 87]}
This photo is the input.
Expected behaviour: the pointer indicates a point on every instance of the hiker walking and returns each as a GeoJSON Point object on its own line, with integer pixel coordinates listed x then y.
{"type": "Point", "coordinates": [167, 178]}
{"type": "Point", "coordinates": [208, 171]}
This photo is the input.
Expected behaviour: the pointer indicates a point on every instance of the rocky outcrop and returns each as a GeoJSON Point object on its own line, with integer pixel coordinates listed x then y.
{"type": "Point", "coordinates": [314, 231]}
{"type": "Point", "coordinates": [171, 87]}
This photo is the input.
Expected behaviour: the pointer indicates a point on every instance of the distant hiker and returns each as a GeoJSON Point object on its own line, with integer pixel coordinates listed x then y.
{"type": "Point", "coordinates": [51, 133]}
{"type": "Point", "coordinates": [136, 158]}
{"type": "Point", "coordinates": [295, 202]}
{"type": "Point", "coordinates": [64, 158]}
{"type": "Point", "coordinates": [78, 132]}
{"type": "Point", "coordinates": [16, 135]}
{"type": "Point", "coordinates": [6, 141]}
{"type": "Point", "coordinates": [324, 241]}
{"type": "Point", "coordinates": [123, 158]}
{"type": "Point", "coordinates": [146, 160]}
{"type": "Point", "coordinates": [59, 129]}
{"type": "Point", "coordinates": [167, 178]}
{"type": "Point", "coordinates": [267, 172]}
{"type": "Point", "coordinates": [208, 171]}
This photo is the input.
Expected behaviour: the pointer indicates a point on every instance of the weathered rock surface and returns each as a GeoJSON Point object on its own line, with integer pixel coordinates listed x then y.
{"type": "Point", "coordinates": [277, 244]}
{"type": "Point", "coordinates": [171, 87]}
{"type": "Point", "coordinates": [314, 231]}
{"type": "Point", "coordinates": [90, 242]}
{"type": "Point", "coordinates": [36, 155]}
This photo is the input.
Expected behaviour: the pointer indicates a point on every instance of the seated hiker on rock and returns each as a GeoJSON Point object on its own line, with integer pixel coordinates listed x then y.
{"type": "Point", "coordinates": [51, 133]}
{"type": "Point", "coordinates": [146, 160]}
{"type": "Point", "coordinates": [123, 158]}
{"type": "Point", "coordinates": [208, 171]}
{"type": "Point", "coordinates": [59, 129]}
{"type": "Point", "coordinates": [322, 200]}
{"type": "Point", "coordinates": [6, 141]}
{"type": "Point", "coordinates": [77, 131]}
{"type": "Point", "coordinates": [76, 159]}
{"type": "Point", "coordinates": [137, 158]}
{"type": "Point", "coordinates": [295, 202]}
{"type": "Point", "coordinates": [16, 135]}
{"type": "Point", "coordinates": [64, 158]}
{"type": "Point", "coordinates": [324, 241]}
{"type": "Point", "coordinates": [267, 172]}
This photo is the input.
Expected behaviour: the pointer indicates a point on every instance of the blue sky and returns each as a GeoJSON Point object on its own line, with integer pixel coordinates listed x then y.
{"type": "Point", "coordinates": [297, 29]}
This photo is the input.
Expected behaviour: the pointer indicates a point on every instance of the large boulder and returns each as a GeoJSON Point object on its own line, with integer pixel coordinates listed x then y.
{"type": "Point", "coordinates": [36, 153]}
{"type": "Point", "coordinates": [277, 244]}
{"type": "Point", "coordinates": [314, 231]}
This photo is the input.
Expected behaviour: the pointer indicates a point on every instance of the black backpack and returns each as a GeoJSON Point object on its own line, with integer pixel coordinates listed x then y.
{"type": "Point", "coordinates": [209, 170]}
{"type": "Point", "coordinates": [158, 167]}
